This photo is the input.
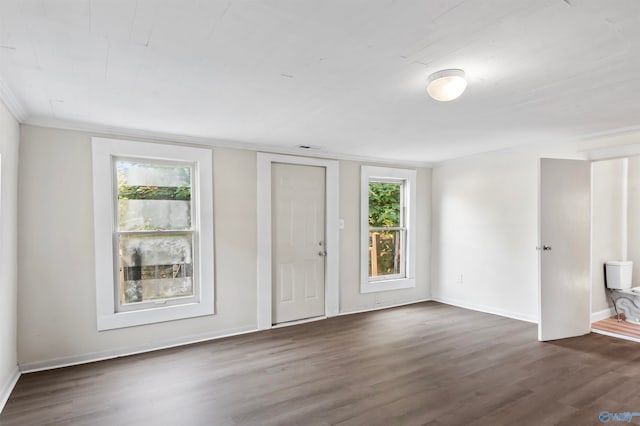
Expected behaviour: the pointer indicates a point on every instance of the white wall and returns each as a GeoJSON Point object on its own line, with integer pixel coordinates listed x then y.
{"type": "Point", "coordinates": [9, 142]}
{"type": "Point", "coordinates": [485, 224]}
{"type": "Point", "coordinates": [485, 228]}
{"type": "Point", "coordinates": [350, 297]}
{"type": "Point", "coordinates": [56, 307]}
{"type": "Point", "coordinates": [609, 224]}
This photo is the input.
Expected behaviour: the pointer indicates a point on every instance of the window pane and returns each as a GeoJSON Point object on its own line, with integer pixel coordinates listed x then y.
{"type": "Point", "coordinates": [153, 196]}
{"type": "Point", "coordinates": [384, 204]}
{"type": "Point", "coordinates": [155, 267]}
{"type": "Point", "coordinates": [385, 253]}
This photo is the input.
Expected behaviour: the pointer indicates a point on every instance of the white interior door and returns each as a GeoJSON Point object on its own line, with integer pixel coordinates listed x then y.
{"type": "Point", "coordinates": [565, 239]}
{"type": "Point", "coordinates": [298, 241]}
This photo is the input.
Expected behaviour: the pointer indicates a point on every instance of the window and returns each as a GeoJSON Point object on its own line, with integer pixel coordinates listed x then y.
{"type": "Point", "coordinates": [153, 232]}
{"type": "Point", "coordinates": [387, 229]}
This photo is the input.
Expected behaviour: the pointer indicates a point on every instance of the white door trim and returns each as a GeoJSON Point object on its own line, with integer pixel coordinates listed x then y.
{"type": "Point", "coordinates": [265, 293]}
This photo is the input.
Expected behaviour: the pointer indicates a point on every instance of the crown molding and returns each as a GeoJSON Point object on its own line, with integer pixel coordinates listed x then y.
{"type": "Point", "coordinates": [623, 131]}
{"type": "Point", "coordinates": [12, 103]}
{"type": "Point", "coordinates": [106, 130]}
{"type": "Point", "coordinates": [613, 152]}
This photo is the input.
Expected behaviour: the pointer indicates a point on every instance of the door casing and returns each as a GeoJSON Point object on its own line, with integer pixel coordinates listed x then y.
{"type": "Point", "coordinates": [264, 266]}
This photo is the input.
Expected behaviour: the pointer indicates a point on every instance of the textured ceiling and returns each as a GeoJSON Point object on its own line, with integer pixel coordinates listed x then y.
{"type": "Point", "coordinates": [347, 76]}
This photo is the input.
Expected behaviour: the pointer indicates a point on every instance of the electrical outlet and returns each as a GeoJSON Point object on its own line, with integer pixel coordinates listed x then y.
{"type": "Point", "coordinates": [459, 278]}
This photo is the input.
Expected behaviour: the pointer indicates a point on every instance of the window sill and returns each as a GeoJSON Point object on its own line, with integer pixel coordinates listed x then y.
{"type": "Point", "coordinates": [154, 315]}
{"type": "Point", "coordinates": [386, 285]}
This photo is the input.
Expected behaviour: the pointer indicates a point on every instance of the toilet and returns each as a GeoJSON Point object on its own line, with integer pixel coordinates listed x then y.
{"type": "Point", "coordinates": [625, 297]}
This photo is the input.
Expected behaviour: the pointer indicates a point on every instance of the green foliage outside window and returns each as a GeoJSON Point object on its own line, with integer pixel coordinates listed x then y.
{"type": "Point", "coordinates": [384, 204]}
{"type": "Point", "coordinates": [384, 212]}
{"type": "Point", "coordinates": [135, 192]}
{"type": "Point", "coordinates": [179, 176]}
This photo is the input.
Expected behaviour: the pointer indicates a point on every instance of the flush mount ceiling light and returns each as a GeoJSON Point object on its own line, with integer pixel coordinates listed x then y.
{"type": "Point", "coordinates": [446, 85]}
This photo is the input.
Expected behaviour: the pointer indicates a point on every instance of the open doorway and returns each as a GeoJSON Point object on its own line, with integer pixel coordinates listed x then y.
{"type": "Point", "coordinates": [616, 237]}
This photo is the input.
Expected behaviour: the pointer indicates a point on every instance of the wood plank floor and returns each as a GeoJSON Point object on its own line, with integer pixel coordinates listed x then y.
{"type": "Point", "coordinates": [612, 325]}
{"type": "Point", "coordinates": [426, 363]}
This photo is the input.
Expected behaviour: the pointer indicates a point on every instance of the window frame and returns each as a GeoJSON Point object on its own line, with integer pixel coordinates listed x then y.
{"type": "Point", "coordinates": [105, 152]}
{"type": "Point", "coordinates": [402, 228]}
{"type": "Point", "coordinates": [406, 279]}
{"type": "Point", "coordinates": [117, 234]}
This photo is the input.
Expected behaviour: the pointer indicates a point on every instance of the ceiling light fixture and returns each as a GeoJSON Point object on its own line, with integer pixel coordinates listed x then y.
{"type": "Point", "coordinates": [446, 85]}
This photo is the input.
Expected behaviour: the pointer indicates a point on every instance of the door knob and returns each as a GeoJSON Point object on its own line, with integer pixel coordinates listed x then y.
{"type": "Point", "coordinates": [545, 248]}
{"type": "Point", "coordinates": [322, 253]}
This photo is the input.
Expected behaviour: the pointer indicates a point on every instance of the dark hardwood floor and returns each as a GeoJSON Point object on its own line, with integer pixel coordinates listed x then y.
{"type": "Point", "coordinates": [426, 363]}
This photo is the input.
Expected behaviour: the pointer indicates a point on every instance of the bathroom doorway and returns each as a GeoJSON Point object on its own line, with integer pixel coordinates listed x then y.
{"type": "Point", "coordinates": [615, 236]}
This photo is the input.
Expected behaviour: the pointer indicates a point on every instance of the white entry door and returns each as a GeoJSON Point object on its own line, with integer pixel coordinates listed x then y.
{"type": "Point", "coordinates": [565, 228]}
{"type": "Point", "coordinates": [298, 241]}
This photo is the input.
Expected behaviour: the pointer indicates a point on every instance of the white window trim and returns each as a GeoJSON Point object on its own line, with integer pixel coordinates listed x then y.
{"type": "Point", "coordinates": [265, 291]}
{"type": "Point", "coordinates": [103, 150]}
{"type": "Point", "coordinates": [380, 284]}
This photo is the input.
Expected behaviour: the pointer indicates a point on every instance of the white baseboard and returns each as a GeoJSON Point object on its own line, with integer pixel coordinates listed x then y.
{"type": "Point", "coordinates": [7, 387]}
{"type": "Point", "coordinates": [67, 361]}
{"type": "Point", "coordinates": [486, 309]}
{"type": "Point", "coordinates": [619, 336]}
{"type": "Point", "coordinates": [381, 306]}
{"type": "Point", "coordinates": [603, 314]}
{"type": "Point", "coordinates": [30, 367]}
